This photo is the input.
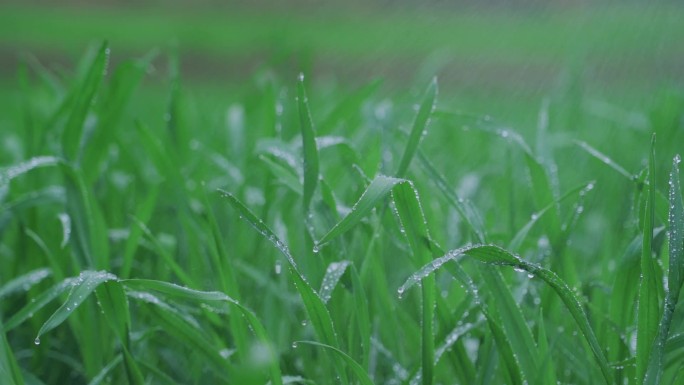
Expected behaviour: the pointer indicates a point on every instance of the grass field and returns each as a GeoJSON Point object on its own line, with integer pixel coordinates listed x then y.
{"type": "Point", "coordinates": [402, 212]}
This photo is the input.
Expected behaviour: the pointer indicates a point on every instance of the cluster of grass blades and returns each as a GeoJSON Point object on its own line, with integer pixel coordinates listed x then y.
{"type": "Point", "coordinates": [129, 253]}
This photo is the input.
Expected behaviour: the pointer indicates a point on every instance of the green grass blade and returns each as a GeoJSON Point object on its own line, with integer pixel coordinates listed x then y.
{"type": "Point", "coordinates": [543, 195]}
{"type": "Point", "coordinates": [676, 230]}
{"type": "Point", "coordinates": [510, 315]}
{"type": "Point", "coordinates": [89, 230]}
{"type": "Point", "coordinates": [40, 301]}
{"type": "Point", "coordinates": [122, 85]}
{"type": "Point", "coordinates": [315, 307]}
{"type": "Point", "coordinates": [376, 191]}
{"type": "Point", "coordinates": [83, 286]}
{"type": "Point", "coordinates": [72, 139]}
{"type": "Point", "coordinates": [143, 214]}
{"type": "Point", "coordinates": [520, 236]}
{"type": "Point", "coordinates": [676, 252]}
{"type": "Point", "coordinates": [308, 145]}
{"type": "Point", "coordinates": [415, 228]}
{"type": "Point", "coordinates": [419, 129]}
{"type": "Point", "coordinates": [661, 207]}
{"type": "Point", "coordinates": [354, 366]}
{"type": "Point", "coordinates": [350, 105]}
{"type": "Point", "coordinates": [24, 282]}
{"type": "Point", "coordinates": [9, 368]}
{"type": "Point", "coordinates": [226, 271]}
{"type": "Point", "coordinates": [181, 273]}
{"type": "Point", "coordinates": [11, 172]}
{"type": "Point", "coordinates": [648, 310]}
{"type": "Point", "coordinates": [362, 316]}
{"type": "Point", "coordinates": [547, 373]}
{"type": "Point", "coordinates": [114, 305]}
{"type": "Point", "coordinates": [102, 375]}
{"type": "Point", "coordinates": [332, 276]}
{"type": "Point", "coordinates": [285, 175]}
{"type": "Point", "coordinates": [604, 159]}
{"type": "Point", "coordinates": [471, 217]}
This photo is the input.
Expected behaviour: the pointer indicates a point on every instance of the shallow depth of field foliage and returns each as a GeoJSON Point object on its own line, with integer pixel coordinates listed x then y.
{"type": "Point", "coordinates": [295, 231]}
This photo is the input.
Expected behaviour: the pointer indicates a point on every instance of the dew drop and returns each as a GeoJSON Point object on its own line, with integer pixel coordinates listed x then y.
{"type": "Point", "coordinates": [278, 267]}
{"type": "Point", "coordinates": [305, 322]}
{"type": "Point", "coordinates": [294, 345]}
{"type": "Point", "coordinates": [316, 249]}
{"type": "Point", "coordinates": [36, 341]}
{"type": "Point", "coordinates": [400, 292]}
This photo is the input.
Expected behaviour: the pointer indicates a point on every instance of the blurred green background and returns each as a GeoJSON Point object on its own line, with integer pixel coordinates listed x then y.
{"type": "Point", "coordinates": [520, 50]}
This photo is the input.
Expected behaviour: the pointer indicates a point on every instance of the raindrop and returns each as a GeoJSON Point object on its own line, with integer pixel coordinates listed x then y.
{"type": "Point", "coordinates": [36, 341]}
{"type": "Point", "coordinates": [400, 292]}
{"type": "Point", "coordinates": [316, 248]}
{"type": "Point", "coordinates": [530, 275]}
{"type": "Point", "coordinates": [305, 322]}
{"type": "Point", "coordinates": [294, 345]}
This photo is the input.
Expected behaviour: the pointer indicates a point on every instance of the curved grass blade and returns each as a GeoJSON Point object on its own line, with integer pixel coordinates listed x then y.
{"type": "Point", "coordinates": [376, 191]}
{"type": "Point", "coordinates": [11, 172]}
{"type": "Point", "coordinates": [419, 129]}
{"type": "Point", "coordinates": [332, 276]}
{"type": "Point", "coordinates": [24, 282]}
{"type": "Point", "coordinates": [40, 301]}
{"type": "Point", "coordinates": [72, 138]}
{"type": "Point", "coordinates": [82, 287]}
{"type": "Point", "coordinates": [676, 269]}
{"type": "Point", "coordinates": [357, 369]}
{"type": "Point", "coordinates": [495, 255]}
{"type": "Point", "coordinates": [310, 151]}
{"type": "Point", "coordinates": [648, 309]}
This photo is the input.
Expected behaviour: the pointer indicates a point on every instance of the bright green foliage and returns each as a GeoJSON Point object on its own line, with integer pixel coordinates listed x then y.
{"type": "Point", "coordinates": [129, 252]}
